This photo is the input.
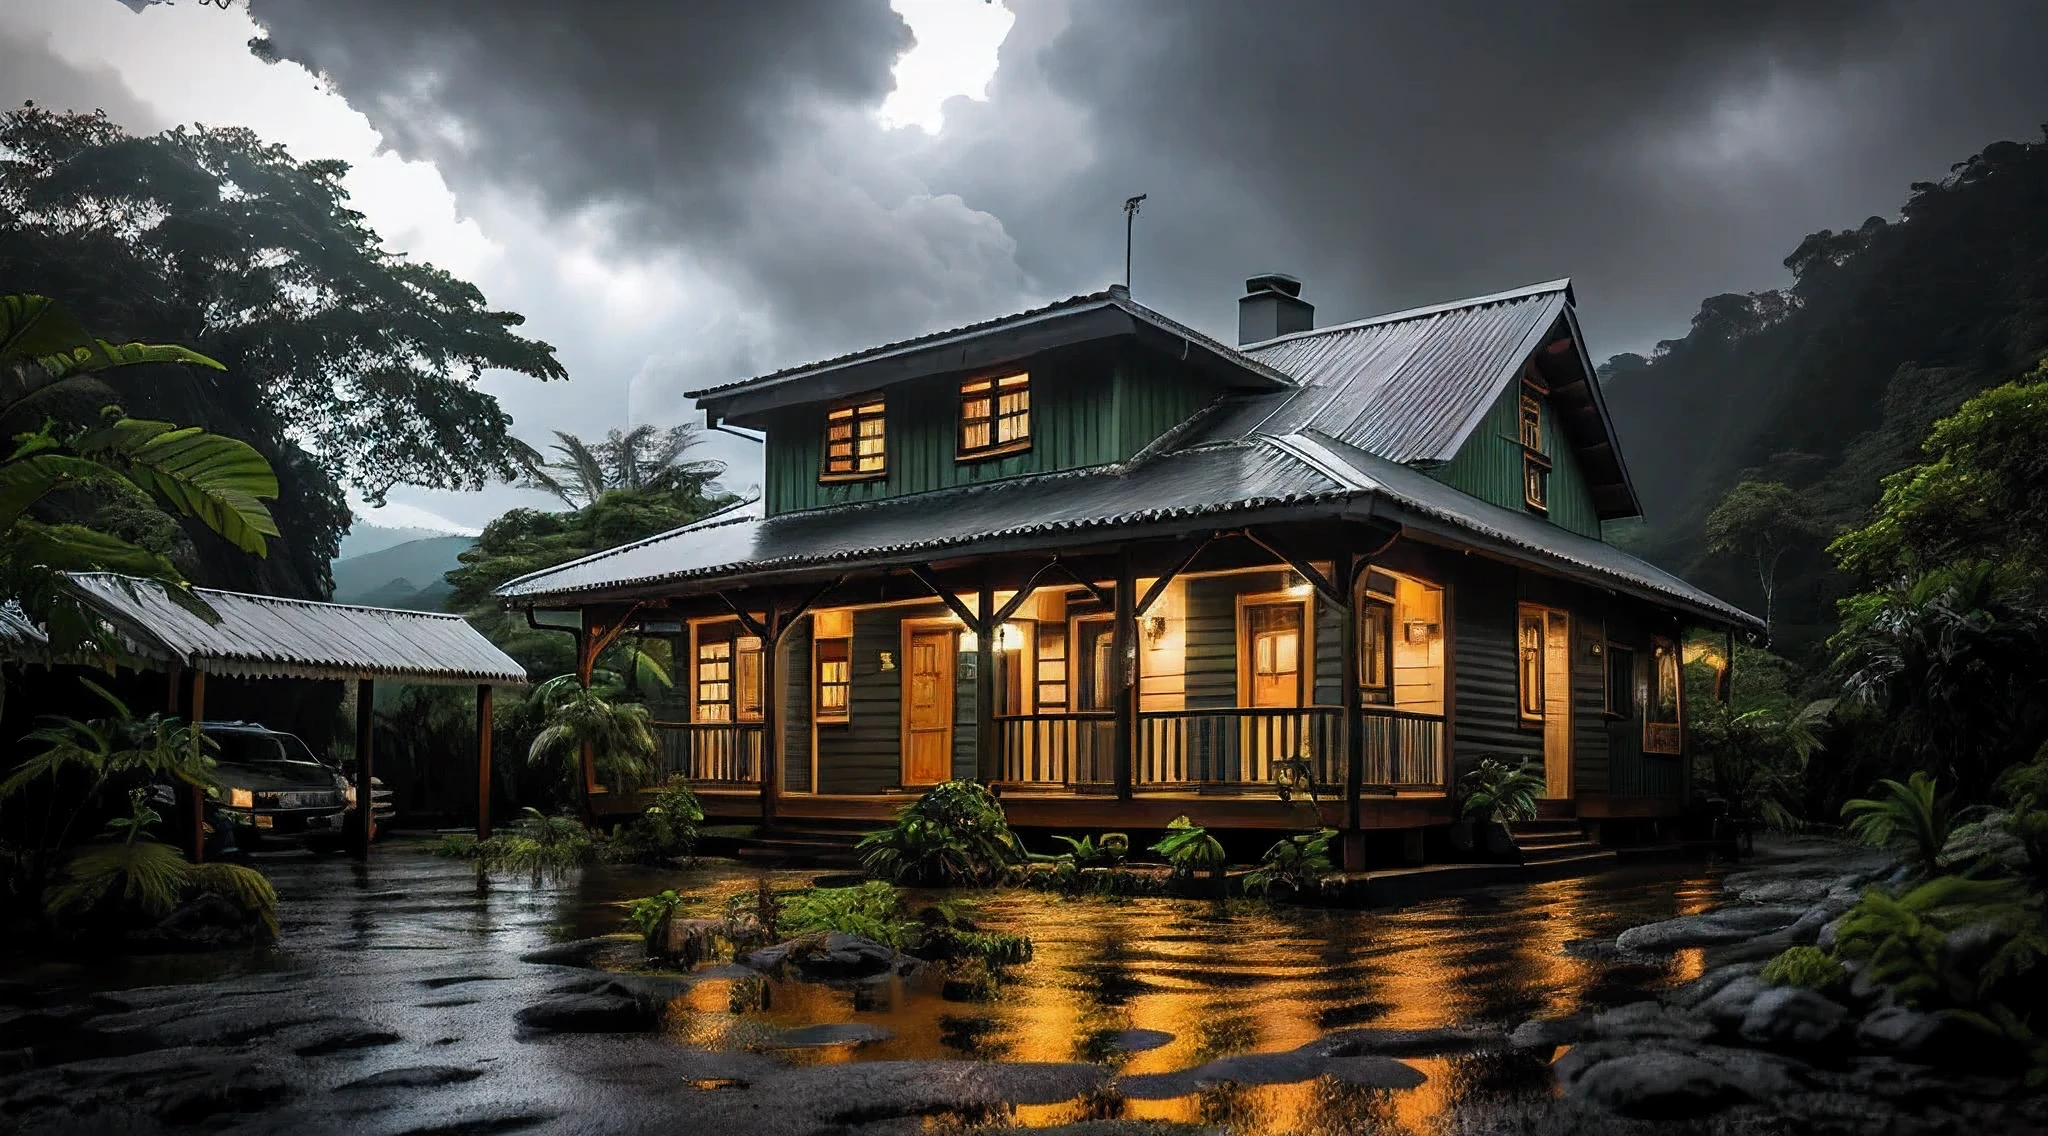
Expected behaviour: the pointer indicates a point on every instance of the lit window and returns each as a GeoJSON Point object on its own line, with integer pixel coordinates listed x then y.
{"type": "Point", "coordinates": [835, 679]}
{"type": "Point", "coordinates": [1662, 717]}
{"type": "Point", "coordinates": [714, 681]}
{"type": "Point", "coordinates": [728, 676]}
{"type": "Point", "coordinates": [1532, 423]}
{"type": "Point", "coordinates": [1536, 482]}
{"type": "Point", "coordinates": [995, 416]}
{"type": "Point", "coordinates": [747, 692]}
{"type": "Point", "coordinates": [854, 443]}
{"type": "Point", "coordinates": [1531, 668]}
{"type": "Point", "coordinates": [1376, 652]}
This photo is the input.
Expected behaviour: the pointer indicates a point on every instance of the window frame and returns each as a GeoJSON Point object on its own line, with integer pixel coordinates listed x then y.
{"type": "Point", "coordinates": [1626, 708]}
{"type": "Point", "coordinates": [1374, 610]}
{"type": "Point", "coordinates": [819, 683]}
{"type": "Point", "coordinates": [1530, 665]}
{"type": "Point", "coordinates": [856, 412]}
{"type": "Point", "coordinates": [1536, 482]}
{"type": "Point", "coordinates": [1532, 421]}
{"type": "Point", "coordinates": [1661, 735]}
{"type": "Point", "coordinates": [990, 389]}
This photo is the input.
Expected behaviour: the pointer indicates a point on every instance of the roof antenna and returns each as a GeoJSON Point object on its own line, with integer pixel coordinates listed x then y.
{"type": "Point", "coordinates": [1130, 214]}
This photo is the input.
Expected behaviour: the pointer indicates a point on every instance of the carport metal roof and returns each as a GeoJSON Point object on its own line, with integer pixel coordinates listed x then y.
{"type": "Point", "coordinates": [273, 637]}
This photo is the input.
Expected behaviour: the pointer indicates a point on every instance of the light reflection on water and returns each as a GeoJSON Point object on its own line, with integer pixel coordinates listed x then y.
{"type": "Point", "coordinates": [1221, 980]}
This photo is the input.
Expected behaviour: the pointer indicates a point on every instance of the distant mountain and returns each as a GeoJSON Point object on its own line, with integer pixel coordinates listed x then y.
{"type": "Point", "coordinates": [362, 540]}
{"type": "Point", "coordinates": [404, 575]}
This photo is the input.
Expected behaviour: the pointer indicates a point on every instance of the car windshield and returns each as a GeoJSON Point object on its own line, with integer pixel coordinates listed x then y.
{"type": "Point", "coordinates": [250, 747]}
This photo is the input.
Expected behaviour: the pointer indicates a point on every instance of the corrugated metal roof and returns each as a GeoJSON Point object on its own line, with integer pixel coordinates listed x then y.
{"type": "Point", "coordinates": [19, 636]}
{"type": "Point", "coordinates": [272, 637]}
{"type": "Point", "coordinates": [1115, 297]}
{"type": "Point", "coordinates": [1190, 483]}
{"type": "Point", "coordinates": [1580, 556]}
{"type": "Point", "coordinates": [1410, 386]}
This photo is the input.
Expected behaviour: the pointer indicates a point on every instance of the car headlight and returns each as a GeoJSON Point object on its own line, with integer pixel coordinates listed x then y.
{"type": "Point", "coordinates": [241, 799]}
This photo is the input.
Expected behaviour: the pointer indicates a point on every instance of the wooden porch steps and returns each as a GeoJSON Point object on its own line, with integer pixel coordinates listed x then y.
{"type": "Point", "coordinates": [810, 845]}
{"type": "Point", "coordinates": [1555, 842]}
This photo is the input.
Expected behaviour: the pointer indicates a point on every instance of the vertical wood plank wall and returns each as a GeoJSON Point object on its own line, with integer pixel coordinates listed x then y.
{"type": "Point", "coordinates": [1489, 466]}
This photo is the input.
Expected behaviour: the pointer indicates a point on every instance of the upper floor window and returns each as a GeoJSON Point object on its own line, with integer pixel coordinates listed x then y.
{"type": "Point", "coordinates": [1535, 464]}
{"type": "Point", "coordinates": [855, 445]}
{"type": "Point", "coordinates": [1532, 422]}
{"type": "Point", "coordinates": [995, 416]}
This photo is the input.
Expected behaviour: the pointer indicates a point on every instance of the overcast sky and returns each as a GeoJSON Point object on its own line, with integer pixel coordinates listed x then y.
{"type": "Point", "coordinates": [679, 195]}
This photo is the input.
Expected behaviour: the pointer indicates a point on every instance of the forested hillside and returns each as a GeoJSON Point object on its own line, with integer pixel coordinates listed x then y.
{"type": "Point", "coordinates": [1830, 384]}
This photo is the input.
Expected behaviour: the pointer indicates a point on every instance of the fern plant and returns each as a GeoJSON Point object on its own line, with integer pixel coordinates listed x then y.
{"type": "Point", "coordinates": [1496, 791]}
{"type": "Point", "coordinates": [1808, 967]}
{"type": "Point", "coordinates": [1908, 944]}
{"type": "Point", "coordinates": [1908, 819]}
{"type": "Point", "coordinates": [1296, 865]}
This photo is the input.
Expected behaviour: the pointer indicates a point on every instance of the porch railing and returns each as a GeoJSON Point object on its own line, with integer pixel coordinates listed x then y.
{"type": "Point", "coordinates": [710, 751]}
{"type": "Point", "coordinates": [1057, 749]}
{"type": "Point", "coordinates": [1225, 746]}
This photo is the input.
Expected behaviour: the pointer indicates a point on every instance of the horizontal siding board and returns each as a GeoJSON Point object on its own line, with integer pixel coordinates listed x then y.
{"type": "Point", "coordinates": [1484, 626]}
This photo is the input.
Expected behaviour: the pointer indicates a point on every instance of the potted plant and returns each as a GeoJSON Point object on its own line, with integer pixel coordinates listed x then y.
{"type": "Point", "coordinates": [1489, 797]}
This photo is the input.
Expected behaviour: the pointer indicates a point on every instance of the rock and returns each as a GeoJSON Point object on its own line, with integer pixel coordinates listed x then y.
{"type": "Point", "coordinates": [1729, 1006]}
{"type": "Point", "coordinates": [1935, 1040]}
{"type": "Point", "coordinates": [1728, 925]}
{"type": "Point", "coordinates": [590, 1013]}
{"type": "Point", "coordinates": [1405, 1043]}
{"type": "Point", "coordinates": [1111, 1042]}
{"type": "Point", "coordinates": [1829, 931]}
{"type": "Point", "coordinates": [835, 956]}
{"type": "Point", "coordinates": [580, 952]}
{"type": "Point", "coordinates": [1548, 1033]}
{"type": "Point", "coordinates": [414, 1077]}
{"type": "Point", "coordinates": [1639, 1020]}
{"type": "Point", "coordinates": [1658, 1084]}
{"type": "Point", "coordinates": [1373, 1072]}
{"type": "Point", "coordinates": [1790, 1017]}
{"type": "Point", "coordinates": [1693, 993]}
{"type": "Point", "coordinates": [653, 989]}
{"type": "Point", "coordinates": [828, 1035]}
{"type": "Point", "coordinates": [1806, 931]}
{"type": "Point", "coordinates": [206, 922]}
{"type": "Point", "coordinates": [339, 1037]}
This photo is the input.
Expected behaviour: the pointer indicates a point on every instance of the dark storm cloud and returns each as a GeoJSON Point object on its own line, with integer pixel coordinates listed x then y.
{"type": "Point", "coordinates": [1388, 154]}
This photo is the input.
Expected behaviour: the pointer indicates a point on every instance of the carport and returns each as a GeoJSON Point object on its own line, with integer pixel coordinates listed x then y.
{"type": "Point", "coordinates": [272, 637]}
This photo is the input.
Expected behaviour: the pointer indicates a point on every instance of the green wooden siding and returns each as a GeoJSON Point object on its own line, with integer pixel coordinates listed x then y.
{"type": "Point", "coordinates": [1088, 408]}
{"type": "Point", "coordinates": [1490, 466]}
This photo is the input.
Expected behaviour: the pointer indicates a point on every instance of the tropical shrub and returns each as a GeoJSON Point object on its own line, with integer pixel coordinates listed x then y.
{"type": "Point", "coordinates": [652, 917]}
{"type": "Point", "coordinates": [954, 834]}
{"type": "Point", "coordinates": [1188, 848]}
{"type": "Point", "coordinates": [617, 734]}
{"type": "Point", "coordinates": [1909, 820]}
{"type": "Point", "coordinates": [539, 846]}
{"type": "Point", "coordinates": [129, 879]}
{"type": "Point", "coordinates": [1496, 791]}
{"type": "Point", "coordinates": [1950, 942]}
{"type": "Point", "coordinates": [1808, 967]}
{"type": "Point", "coordinates": [664, 833]}
{"type": "Point", "coordinates": [870, 910]}
{"type": "Point", "coordinates": [1295, 866]}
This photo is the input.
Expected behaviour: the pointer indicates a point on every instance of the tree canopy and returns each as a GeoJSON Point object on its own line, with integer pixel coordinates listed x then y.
{"type": "Point", "coordinates": [351, 364]}
{"type": "Point", "coordinates": [644, 458]}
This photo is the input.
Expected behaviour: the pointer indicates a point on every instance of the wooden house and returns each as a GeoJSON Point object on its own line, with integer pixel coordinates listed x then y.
{"type": "Point", "coordinates": [1123, 571]}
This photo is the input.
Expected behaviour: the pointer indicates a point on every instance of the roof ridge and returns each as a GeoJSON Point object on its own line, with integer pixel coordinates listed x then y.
{"type": "Point", "coordinates": [274, 599]}
{"type": "Point", "coordinates": [710, 520]}
{"type": "Point", "coordinates": [1561, 284]}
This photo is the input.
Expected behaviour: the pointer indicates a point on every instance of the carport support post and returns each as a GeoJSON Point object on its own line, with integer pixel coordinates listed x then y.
{"type": "Point", "coordinates": [483, 761]}
{"type": "Point", "coordinates": [366, 800]}
{"type": "Point", "coordinates": [195, 796]}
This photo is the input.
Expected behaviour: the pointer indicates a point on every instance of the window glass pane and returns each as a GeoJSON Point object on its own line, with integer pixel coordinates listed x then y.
{"type": "Point", "coordinates": [995, 413]}
{"type": "Point", "coordinates": [854, 443]}
{"type": "Point", "coordinates": [835, 676]}
{"type": "Point", "coordinates": [1375, 649]}
{"type": "Point", "coordinates": [1531, 670]}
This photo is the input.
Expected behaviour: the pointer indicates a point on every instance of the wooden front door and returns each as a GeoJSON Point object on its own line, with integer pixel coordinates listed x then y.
{"type": "Point", "coordinates": [1273, 646]}
{"type": "Point", "coordinates": [928, 706]}
{"type": "Point", "coordinates": [1557, 705]}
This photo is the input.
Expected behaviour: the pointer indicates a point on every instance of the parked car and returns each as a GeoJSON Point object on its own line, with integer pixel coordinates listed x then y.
{"type": "Point", "coordinates": [274, 788]}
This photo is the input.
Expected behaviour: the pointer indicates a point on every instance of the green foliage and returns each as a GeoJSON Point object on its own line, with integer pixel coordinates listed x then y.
{"type": "Point", "coordinates": [369, 359]}
{"type": "Point", "coordinates": [1089, 864]}
{"type": "Point", "coordinates": [651, 917]}
{"type": "Point", "coordinates": [246, 888]}
{"type": "Point", "coordinates": [1088, 852]}
{"type": "Point", "coordinates": [1752, 751]}
{"type": "Point", "coordinates": [1808, 967]}
{"type": "Point", "coordinates": [1948, 665]}
{"type": "Point", "coordinates": [1908, 820]}
{"type": "Point", "coordinates": [869, 910]}
{"type": "Point", "coordinates": [528, 540]}
{"type": "Point", "coordinates": [1497, 792]}
{"type": "Point", "coordinates": [1294, 866]}
{"type": "Point", "coordinates": [1982, 493]}
{"type": "Point", "coordinates": [1760, 521]}
{"type": "Point", "coordinates": [644, 459]}
{"type": "Point", "coordinates": [664, 833]}
{"type": "Point", "coordinates": [219, 480]}
{"type": "Point", "coordinates": [536, 845]}
{"type": "Point", "coordinates": [1188, 848]}
{"type": "Point", "coordinates": [955, 834]}
{"type": "Point", "coordinates": [1950, 942]}
{"type": "Point", "coordinates": [621, 741]}
{"type": "Point", "coordinates": [141, 876]}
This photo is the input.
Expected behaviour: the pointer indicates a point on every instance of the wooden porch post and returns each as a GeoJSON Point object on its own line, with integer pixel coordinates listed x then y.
{"type": "Point", "coordinates": [771, 719]}
{"type": "Point", "coordinates": [366, 797]}
{"type": "Point", "coordinates": [985, 768]}
{"type": "Point", "coordinates": [1354, 714]}
{"type": "Point", "coordinates": [1123, 643]}
{"type": "Point", "coordinates": [483, 760]}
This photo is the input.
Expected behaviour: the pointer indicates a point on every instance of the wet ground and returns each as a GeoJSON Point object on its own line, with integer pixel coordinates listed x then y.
{"type": "Point", "coordinates": [422, 964]}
